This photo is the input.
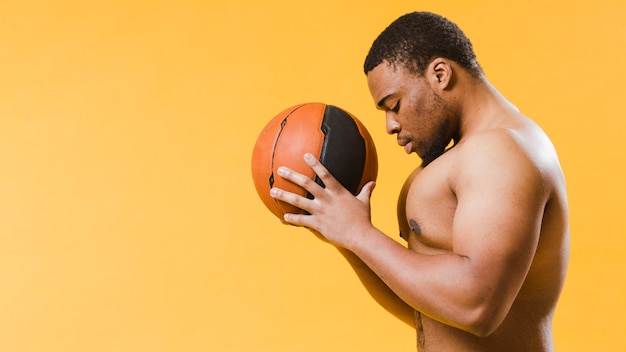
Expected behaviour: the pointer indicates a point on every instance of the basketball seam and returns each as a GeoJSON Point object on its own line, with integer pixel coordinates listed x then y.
{"type": "Point", "coordinates": [282, 126]}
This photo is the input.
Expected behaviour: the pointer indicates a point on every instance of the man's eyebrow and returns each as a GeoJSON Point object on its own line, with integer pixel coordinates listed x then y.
{"type": "Point", "coordinates": [381, 103]}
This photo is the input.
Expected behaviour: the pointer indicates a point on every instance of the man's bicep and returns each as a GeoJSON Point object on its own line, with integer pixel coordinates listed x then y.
{"type": "Point", "coordinates": [498, 220]}
{"type": "Point", "coordinates": [490, 224]}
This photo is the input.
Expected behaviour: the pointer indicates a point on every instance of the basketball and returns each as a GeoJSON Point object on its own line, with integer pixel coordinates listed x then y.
{"type": "Point", "coordinates": [334, 136]}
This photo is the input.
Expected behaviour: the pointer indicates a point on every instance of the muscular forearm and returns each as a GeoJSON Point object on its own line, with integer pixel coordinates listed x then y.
{"type": "Point", "coordinates": [439, 286]}
{"type": "Point", "coordinates": [379, 290]}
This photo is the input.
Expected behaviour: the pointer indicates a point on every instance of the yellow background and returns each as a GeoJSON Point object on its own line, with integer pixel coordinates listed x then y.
{"type": "Point", "coordinates": [128, 218]}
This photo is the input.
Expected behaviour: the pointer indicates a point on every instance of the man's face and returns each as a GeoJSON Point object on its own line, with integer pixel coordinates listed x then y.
{"type": "Point", "coordinates": [413, 110]}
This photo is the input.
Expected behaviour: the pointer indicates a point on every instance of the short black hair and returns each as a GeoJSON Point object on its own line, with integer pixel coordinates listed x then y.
{"type": "Point", "coordinates": [415, 39]}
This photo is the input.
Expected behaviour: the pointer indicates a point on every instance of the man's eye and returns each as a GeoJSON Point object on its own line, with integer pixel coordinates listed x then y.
{"type": "Point", "coordinates": [396, 108]}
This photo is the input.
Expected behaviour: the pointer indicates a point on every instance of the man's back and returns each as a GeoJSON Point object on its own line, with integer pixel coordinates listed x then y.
{"type": "Point", "coordinates": [505, 175]}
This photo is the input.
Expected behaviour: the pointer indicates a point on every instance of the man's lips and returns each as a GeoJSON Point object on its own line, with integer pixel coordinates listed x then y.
{"type": "Point", "coordinates": [406, 143]}
{"type": "Point", "coordinates": [408, 148]}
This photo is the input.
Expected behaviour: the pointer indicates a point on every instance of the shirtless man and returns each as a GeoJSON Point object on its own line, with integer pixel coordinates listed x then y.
{"type": "Point", "coordinates": [485, 216]}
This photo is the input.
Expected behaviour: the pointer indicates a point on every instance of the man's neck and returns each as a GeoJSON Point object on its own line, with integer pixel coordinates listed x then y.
{"type": "Point", "coordinates": [480, 107]}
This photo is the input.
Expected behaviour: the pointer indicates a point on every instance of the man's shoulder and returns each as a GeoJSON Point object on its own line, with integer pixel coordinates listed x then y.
{"type": "Point", "coordinates": [494, 139]}
{"type": "Point", "coordinates": [508, 144]}
{"type": "Point", "coordinates": [502, 153]}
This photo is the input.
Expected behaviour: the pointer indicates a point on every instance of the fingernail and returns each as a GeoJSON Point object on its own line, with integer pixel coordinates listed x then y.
{"type": "Point", "coordinates": [273, 192]}
{"type": "Point", "coordinates": [308, 157]}
{"type": "Point", "coordinates": [281, 171]}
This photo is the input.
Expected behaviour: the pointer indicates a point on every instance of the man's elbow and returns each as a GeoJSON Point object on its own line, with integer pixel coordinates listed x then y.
{"type": "Point", "coordinates": [484, 321]}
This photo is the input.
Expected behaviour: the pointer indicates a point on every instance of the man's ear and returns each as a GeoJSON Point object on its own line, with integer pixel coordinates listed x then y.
{"type": "Point", "coordinates": [440, 73]}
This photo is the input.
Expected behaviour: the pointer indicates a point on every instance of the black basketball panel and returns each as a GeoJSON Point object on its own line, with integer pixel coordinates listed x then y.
{"type": "Point", "coordinates": [344, 149]}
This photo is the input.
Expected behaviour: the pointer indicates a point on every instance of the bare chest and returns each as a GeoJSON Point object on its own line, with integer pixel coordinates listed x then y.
{"type": "Point", "coordinates": [426, 211]}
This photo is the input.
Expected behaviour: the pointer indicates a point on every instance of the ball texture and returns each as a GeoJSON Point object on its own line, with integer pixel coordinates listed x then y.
{"type": "Point", "coordinates": [335, 137]}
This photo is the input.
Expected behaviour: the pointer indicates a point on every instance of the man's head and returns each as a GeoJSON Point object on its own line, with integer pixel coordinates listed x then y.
{"type": "Point", "coordinates": [416, 38]}
{"type": "Point", "coordinates": [412, 70]}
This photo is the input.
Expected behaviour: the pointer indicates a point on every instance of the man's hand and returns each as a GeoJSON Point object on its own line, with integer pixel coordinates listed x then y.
{"type": "Point", "coordinates": [334, 212]}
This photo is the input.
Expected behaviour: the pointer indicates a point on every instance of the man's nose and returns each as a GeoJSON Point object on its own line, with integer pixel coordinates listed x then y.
{"type": "Point", "coordinates": [391, 125]}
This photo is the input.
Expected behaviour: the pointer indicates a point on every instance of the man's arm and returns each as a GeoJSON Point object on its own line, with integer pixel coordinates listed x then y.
{"type": "Point", "coordinates": [501, 198]}
{"type": "Point", "coordinates": [379, 290]}
{"type": "Point", "coordinates": [373, 284]}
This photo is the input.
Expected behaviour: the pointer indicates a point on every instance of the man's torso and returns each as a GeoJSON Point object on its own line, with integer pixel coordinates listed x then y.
{"type": "Point", "coordinates": [426, 211]}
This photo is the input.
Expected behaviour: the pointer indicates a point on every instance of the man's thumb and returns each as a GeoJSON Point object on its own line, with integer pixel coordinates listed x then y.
{"type": "Point", "coordinates": [366, 191]}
